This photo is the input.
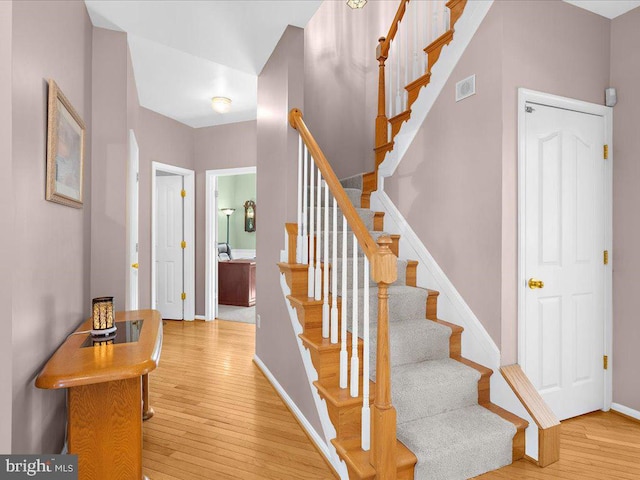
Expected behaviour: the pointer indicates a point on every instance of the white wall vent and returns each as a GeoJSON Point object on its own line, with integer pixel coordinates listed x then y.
{"type": "Point", "coordinates": [465, 88]}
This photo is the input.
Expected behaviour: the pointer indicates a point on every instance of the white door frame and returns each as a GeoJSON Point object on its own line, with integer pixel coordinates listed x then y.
{"type": "Point", "coordinates": [531, 96]}
{"type": "Point", "coordinates": [133, 221]}
{"type": "Point", "coordinates": [189, 235]}
{"type": "Point", "coordinates": [211, 234]}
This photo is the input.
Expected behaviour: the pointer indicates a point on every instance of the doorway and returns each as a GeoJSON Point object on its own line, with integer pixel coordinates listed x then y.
{"type": "Point", "coordinates": [173, 241]}
{"type": "Point", "coordinates": [564, 279]}
{"type": "Point", "coordinates": [133, 177]}
{"type": "Point", "coordinates": [213, 227]}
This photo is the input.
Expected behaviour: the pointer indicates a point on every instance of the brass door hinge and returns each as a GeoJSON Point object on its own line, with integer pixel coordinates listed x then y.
{"type": "Point", "coordinates": [183, 296]}
{"type": "Point", "coordinates": [605, 362]}
{"type": "Point", "coordinates": [606, 257]}
{"type": "Point", "coordinates": [606, 152]}
{"type": "Point", "coordinates": [183, 193]}
{"type": "Point", "coordinates": [183, 244]}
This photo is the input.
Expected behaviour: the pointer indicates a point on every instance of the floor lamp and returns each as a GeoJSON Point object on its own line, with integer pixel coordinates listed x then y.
{"type": "Point", "coordinates": [228, 212]}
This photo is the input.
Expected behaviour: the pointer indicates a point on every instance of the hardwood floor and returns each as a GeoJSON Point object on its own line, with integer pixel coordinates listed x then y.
{"type": "Point", "coordinates": [596, 446]}
{"type": "Point", "coordinates": [217, 418]}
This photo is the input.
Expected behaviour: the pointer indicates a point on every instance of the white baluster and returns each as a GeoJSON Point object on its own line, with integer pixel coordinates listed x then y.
{"type": "Point", "coordinates": [447, 18]}
{"type": "Point", "coordinates": [343, 327]}
{"type": "Point", "coordinates": [407, 62]}
{"type": "Point", "coordinates": [300, 208]}
{"type": "Point", "coordinates": [318, 279]}
{"type": "Point", "coordinates": [305, 199]}
{"type": "Point", "coordinates": [415, 10]}
{"type": "Point", "coordinates": [326, 312]}
{"type": "Point", "coordinates": [366, 413]}
{"type": "Point", "coordinates": [398, 55]}
{"type": "Point", "coordinates": [334, 275]}
{"type": "Point", "coordinates": [389, 68]}
{"type": "Point", "coordinates": [355, 362]}
{"type": "Point", "coordinates": [312, 239]}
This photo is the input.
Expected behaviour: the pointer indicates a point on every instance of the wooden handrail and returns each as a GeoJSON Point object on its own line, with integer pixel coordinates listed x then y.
{"type": "Point", "coordinates": [385, 42]}
{"type": "Point", "coordinates": [546, 420]}
{"type": "Point", "coordinates": [383, 267]}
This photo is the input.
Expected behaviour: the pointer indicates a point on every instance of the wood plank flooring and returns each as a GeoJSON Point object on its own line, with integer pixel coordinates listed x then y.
{"type": "Point", "coordinates": [217, 417]}
{"type": "Point", "coordinates": [596, 446]}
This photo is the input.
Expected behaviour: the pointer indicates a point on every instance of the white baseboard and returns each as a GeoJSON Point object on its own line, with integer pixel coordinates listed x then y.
{"type": "Point", "coordinates": [200, 317]}
{"type": "Point", "coordinates": [630, 412]}
{"type": "Point", "coordinates": [313, 434]}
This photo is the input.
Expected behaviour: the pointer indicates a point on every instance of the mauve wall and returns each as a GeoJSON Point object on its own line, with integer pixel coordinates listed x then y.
{"type": "Point", "coordinates": [109, 152]}
{"type": "Point", "coordinates": [163, 140]}
{"type": "Point", "coordinates": [553, 47]}
{"type": "Point", "coordinates": [457, 184]}
{"type": "Point", "coordinates": [6, 225]}
{"type": "Point", "coordinates": [340, 75]}
{"type": "Point", "coordinates": [625, 76]}
{"type": "Point", "coordinates": [280, 87]}
{"type": "Point", "coordinates": [51, 242]}
{"type": "Point", "coordinates": [223, 146]}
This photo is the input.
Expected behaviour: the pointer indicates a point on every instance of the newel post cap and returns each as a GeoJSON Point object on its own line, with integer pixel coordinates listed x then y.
{"type": "Point", "coordinates": [384, 267]}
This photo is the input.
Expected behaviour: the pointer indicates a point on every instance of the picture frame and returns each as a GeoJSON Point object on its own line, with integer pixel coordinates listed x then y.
{"type": "Point", "coordinates": [65, 150]}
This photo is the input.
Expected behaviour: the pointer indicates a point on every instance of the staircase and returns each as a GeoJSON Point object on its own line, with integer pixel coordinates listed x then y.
{"type": "Point", "coordinates": [373, 335]}
{"type": "Point", "coordinates": [447, 427]}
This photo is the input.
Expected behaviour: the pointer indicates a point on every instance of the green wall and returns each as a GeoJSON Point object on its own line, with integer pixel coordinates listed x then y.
{"type": "Point", "coordinates": [233, 191]}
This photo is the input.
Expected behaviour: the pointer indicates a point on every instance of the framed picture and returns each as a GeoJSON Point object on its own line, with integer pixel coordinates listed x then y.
{"type": "Point", "coordinates": [65, 150]}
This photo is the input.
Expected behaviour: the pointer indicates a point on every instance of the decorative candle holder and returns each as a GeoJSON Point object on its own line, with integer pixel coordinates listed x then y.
{"type": "Point", "coordinates": [103, 316]}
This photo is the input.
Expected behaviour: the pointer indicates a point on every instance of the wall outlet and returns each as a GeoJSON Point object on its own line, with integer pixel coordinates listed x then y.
{"type": "Point", "coordinates": [465, 88]}
{"type": "Point", "coordinates": [258, 320]}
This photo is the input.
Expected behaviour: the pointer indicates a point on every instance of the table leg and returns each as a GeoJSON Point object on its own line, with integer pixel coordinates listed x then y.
{"type": "Point", "coordinates": [147, 411]}
{"type": "Point", "coordinates": [105, 429]}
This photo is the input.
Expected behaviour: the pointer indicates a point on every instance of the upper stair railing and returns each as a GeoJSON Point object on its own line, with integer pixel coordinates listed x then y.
{"type": "Point", "coordinates": [405, 56]}
{"type": "Point", "coordinates": [320, 194]}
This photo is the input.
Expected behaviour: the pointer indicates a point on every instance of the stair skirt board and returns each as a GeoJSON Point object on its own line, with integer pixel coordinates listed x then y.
{"type": "Point", "coordinates": [436, 397]}
{"type": "Point", "coordinates": [322, 442]}
{"type": "Point", "coordinates": [477, 344]}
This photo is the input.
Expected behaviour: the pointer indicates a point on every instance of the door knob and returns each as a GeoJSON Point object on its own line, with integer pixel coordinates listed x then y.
{"type": "Point", "coordinates": [135, 265]}
{"type": "Point", "coordinates": [533, 283]}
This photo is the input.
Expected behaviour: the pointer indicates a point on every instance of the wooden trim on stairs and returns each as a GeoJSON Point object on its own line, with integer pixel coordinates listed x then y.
{"type": "Point", "coordinates": [545, 419]}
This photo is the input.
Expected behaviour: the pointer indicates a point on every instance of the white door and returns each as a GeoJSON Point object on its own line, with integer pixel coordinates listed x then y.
{"type": "Point", "coordinates": [169, 252]}
{"type": "Point", "coordinates": [564, 242]}
{"type": "Point", "coordinates": [132, 222]}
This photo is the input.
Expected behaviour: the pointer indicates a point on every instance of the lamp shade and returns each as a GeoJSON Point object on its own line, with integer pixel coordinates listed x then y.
{"type": "Point", "coordinates": [356, 3]}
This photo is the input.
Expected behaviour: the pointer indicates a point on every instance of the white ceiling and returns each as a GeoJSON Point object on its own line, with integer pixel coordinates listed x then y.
{"type": "Point", "coordinates": [606, 8]}
{"type": "Point", "coordinates": [185, 52]}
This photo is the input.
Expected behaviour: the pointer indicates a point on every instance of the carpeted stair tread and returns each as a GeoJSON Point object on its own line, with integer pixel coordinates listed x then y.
{"type": "Point", "coordinates": [458, 444]}
{"type": "Point", "coordinates": [401, 280]}
{"type": "Point", "coordinates": [375, 235]}
{"type": "Point", "coordinates": [355, 181]}
{"type": "Point", "coordinates": [405, 303]}
{"type": "Point", "coordinates": [354, 195]}
{"type": "Point", "coordinates": [411, 341]}
{"type": "Point", "coordinates": [365, 214]}
{"type": "Point", "coordinates": [432, 387]}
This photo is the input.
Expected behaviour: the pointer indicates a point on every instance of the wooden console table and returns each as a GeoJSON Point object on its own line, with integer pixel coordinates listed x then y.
{"type": "Point", "coordinates": [105, 398]}
{"type": "Point", "coordinates": [237, 283]}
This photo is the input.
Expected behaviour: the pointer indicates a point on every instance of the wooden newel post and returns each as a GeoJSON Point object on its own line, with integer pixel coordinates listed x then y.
{"type": "Point", "coordinates": [383, 415]}
{"type": "Point", "coordinates": [382, 123]}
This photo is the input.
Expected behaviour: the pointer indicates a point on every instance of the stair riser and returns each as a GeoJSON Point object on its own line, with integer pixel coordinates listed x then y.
{"type": "Point", "coordinates": [372, 220]}
{"type": "Point", "coordinates": [327, 361]}
{"type": "Point", "coordinates": [402, 270]}
{"type": "Point", "coordinates": [398, 309]}
{"type": "Point", "coordinates": [353, 194]}
{"type": "Point", "coordinates": [346, 420]}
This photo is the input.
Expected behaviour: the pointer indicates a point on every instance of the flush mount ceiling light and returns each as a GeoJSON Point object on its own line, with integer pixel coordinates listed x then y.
{"type": "Point", "coordinates": [221, 104]}
{"type": "Point", "coordinates": [356, 3]}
